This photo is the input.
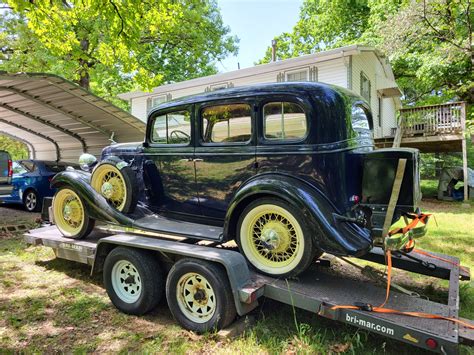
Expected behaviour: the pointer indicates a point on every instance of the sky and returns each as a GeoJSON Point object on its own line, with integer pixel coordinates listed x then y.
{"type": "Point", "coordinates": [256, 23]}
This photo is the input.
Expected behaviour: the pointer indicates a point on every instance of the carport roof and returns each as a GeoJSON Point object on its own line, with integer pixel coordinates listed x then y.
{"type": "Point", "coordinates": [58, 120]}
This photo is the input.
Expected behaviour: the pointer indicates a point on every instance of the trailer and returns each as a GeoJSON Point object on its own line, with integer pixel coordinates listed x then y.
{"type": "Point", "coordinates": [207, 283]}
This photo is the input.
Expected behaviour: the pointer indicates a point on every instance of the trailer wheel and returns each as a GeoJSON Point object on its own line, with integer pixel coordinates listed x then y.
{"type": "Point", "coordinates": [117, 184]}
{"type": "Point", "coordinates": [70, 216]}
{"type": "Point", "coordinates": [199, 295]}
{"type": "Point", "coordinates": [133, 280]}
{"type": "Point", "coordinates": [274, 239]}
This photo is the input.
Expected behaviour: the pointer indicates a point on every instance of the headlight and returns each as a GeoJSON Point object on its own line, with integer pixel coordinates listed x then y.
{"type": "Point", "coordinates": [87, 161]}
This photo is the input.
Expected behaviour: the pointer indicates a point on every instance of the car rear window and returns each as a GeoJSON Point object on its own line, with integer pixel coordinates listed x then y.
{"type": "Point", "coordinates": [362, 121]}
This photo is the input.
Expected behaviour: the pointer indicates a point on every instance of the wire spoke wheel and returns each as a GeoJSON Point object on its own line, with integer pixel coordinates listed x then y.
{"type": "Point", "coordinates": [68, 212]}
{"type": "Point", "coordinates": [110, 183]}
{"type": "Point", "coordinates": [196, 297]}
{"type": "Point", "coordinates": [271, 237]}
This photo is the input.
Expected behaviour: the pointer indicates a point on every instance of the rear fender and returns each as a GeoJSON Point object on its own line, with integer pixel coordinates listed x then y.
{"type": "Point", "coordinates": [95, 204]}
{"type": "Point", "coordinates": [330, 234]}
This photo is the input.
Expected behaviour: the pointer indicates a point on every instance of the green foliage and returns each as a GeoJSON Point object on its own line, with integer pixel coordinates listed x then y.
{"type": "Point", "coordinates": [115, 46]}
{"type": "Point", "coordinates": [16, 149]}
{"type": "Point", "coordinates": [429, 42]}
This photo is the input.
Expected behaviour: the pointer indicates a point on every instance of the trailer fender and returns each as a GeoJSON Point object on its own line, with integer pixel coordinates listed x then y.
{"type": "Point", "coordinates": [330, 234]}
{"type": "Point", "coordinates": [233, 262]}
{"type": "Point", "coordinates": [96, 205]}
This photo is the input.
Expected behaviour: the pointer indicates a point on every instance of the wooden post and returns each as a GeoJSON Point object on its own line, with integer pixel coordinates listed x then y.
{"type": "Point", "coordinates": [464, 153]}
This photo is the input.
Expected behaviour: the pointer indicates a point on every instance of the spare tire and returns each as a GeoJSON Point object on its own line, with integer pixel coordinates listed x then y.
{"type": "Point", "coordinates": [115, 180]}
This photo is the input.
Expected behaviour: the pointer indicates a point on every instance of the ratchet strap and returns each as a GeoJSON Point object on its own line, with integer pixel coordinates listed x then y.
{"type": "Point", "coordinates": [381, 309]}
{"type": "Point", "coordinates": [415, 219]}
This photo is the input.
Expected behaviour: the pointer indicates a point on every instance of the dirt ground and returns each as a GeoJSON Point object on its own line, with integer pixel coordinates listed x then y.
{"type": "Point", "coordinates": [16, 214]}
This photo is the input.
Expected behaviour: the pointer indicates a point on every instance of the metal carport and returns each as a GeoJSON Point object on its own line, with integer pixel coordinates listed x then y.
{"type": "Point", "coordinates": [58, 120]}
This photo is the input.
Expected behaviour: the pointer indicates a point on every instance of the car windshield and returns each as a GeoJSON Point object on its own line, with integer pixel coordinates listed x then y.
{"type": "Point", "coordinates": [55, 167]}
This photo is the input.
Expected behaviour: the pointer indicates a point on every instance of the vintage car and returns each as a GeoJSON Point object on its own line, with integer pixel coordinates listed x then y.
{"type": "Point", "coordinates": [287, 170]}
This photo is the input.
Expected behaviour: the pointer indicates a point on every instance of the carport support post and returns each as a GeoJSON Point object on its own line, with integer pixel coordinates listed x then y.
{"type": "Point", "coordinates": [464, 155]}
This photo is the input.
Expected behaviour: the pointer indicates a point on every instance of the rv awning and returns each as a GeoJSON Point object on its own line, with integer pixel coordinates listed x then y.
{"type": "Point", "coordinates": [58, 120]}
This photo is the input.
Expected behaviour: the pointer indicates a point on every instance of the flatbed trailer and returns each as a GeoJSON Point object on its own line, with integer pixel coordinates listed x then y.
{"type": "Point", "coordinates": [317, 290]}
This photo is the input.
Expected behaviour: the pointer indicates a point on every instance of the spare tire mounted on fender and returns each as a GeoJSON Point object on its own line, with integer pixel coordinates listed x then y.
{"type": "Point", "coordinates": [115, 180]}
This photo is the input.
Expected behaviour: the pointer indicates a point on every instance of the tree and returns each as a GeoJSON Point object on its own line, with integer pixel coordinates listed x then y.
{"type": "Point", "coordinates": [111, 46]}
{"type": "Point", "coordinates": [429, 42]}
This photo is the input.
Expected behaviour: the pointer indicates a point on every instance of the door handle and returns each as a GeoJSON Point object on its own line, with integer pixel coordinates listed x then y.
{"type": "Point", "coordinates": [198, 160]}
{"type": "Point", "coordinates": [185, 160]}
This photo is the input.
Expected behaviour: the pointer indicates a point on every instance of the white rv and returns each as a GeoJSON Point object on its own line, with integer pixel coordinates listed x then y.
{"type": "Point", "coordinates": [364, 70]}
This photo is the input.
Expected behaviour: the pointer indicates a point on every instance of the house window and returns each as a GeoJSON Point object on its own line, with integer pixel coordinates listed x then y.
{"type": "Point", "coordinates": [284, 121]}
{"type": "Point", "coordinates": [154, 101]}
{"type": "Point", "coordinates": [301, 75]}
{"type": "Point", "coordinates": [365, 87]}
{"type": "Point", "coordinates": [229, 123]}
{"type": "Point", "coordinates": [172, 128]}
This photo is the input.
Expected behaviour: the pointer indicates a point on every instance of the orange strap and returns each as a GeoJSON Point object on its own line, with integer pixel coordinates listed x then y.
{"type": "Point", "coordinates": [382, 309]}
{"type": "Point", "coordinates": [416, 218]}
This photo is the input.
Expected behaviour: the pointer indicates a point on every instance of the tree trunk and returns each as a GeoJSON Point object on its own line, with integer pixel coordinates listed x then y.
{"type": "Point", "coordinates": [84, 77]}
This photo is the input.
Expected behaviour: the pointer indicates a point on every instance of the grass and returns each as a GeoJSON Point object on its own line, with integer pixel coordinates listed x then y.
{"type": "Point", "coordinates": [50, 305]}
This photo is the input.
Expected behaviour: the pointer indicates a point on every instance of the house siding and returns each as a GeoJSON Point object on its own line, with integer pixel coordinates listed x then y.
{"type": "Point", "coordinates": [369, 64]}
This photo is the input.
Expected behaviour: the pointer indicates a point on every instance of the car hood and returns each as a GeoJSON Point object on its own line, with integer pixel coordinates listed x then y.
{"type": "Point", "coordinates": [122, 148]}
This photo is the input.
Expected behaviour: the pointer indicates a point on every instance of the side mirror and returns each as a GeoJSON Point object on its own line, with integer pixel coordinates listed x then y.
{"type": "Point", "coordinates": [87, 161]}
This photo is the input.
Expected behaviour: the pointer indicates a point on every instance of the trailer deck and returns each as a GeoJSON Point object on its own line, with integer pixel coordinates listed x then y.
{"type": "Point", "coordinates": [322, 287]}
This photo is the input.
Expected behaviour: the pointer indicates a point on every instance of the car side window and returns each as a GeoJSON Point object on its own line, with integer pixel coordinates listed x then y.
{"type": "Point", "coordinates": [284, 121]}
{"type": "Point", "coordinates": [172, 128]}
{"type": "Point", "coordinates": [28, 165]}
{"type": "Point", "coordinates": [228, 123]}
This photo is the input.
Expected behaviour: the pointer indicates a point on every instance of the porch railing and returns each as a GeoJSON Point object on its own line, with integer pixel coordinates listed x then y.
{"type": "Point", "coordinates": [433, 120]}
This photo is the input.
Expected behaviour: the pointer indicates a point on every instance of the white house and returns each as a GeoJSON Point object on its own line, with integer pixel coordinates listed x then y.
{"type": "Point", "coordinates": [364, 70]}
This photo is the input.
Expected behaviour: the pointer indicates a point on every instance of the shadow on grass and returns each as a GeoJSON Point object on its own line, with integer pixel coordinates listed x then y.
{"type": "Point", "coordinates": [72, 269]}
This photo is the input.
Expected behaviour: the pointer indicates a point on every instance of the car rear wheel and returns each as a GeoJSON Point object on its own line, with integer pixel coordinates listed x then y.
{"type": "Point", "coordinates": [274, 239]}
{"type": "Point", "coordinates": [31, 201]}
{"type": "Point", "coordinates": [116, 184]}
{"type": "Point", "coordinates": [70, 216]}
{"type": "Point", "coordinates": [199, 295]}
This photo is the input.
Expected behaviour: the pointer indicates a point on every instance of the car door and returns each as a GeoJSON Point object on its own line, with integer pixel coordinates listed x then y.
{"type": "Point", "coordinates": [225, 152]}
{"type": "Point", "coordinates": [169, 172]}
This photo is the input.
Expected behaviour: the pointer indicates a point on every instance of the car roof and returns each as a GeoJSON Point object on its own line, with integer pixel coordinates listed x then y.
{"type": "Point", "coordinates": [306, 88]}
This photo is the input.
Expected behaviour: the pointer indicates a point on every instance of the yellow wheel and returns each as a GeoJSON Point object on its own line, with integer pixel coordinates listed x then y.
{"type": "Point", "coordinates": [273, 238]}
{"type": "Point", "coordinates": [70, 216]}
{"type": "Point", "coordinates": [115, 185]}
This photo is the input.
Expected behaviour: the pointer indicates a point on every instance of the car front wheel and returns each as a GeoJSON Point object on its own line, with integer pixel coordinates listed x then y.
{"type": "Point", "coordinates": [70, 216]}
{"type": "Point", "coordinates": [273, 237]}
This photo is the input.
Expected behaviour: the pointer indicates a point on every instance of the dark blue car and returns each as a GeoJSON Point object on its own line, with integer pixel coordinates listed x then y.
{"type": "Point", "coordinates": [31, 182]}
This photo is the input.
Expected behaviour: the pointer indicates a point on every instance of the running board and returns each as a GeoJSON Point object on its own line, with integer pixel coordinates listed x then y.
{"type": "Point", "coordinates": [159, 226]}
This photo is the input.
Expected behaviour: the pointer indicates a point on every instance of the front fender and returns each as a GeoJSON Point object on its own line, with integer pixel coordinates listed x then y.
{"type": "Point", "coordinates": [330, 234]}
{"type": "Point", "coordinates": [95, 204]}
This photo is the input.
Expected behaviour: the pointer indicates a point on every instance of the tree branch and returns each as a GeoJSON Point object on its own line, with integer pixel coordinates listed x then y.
{"type": "Point", "coordinates": [119, 15]}
{"type": "Point", "coordinates": [439, 34]}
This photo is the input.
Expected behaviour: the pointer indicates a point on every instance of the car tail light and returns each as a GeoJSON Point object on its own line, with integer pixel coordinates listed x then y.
{"type": "Point", "coordinates": [431, 343]}
{"type": "Point", "coordinates": [10, 169]}
{"type": "Point", "coordinates": [354, 199]}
